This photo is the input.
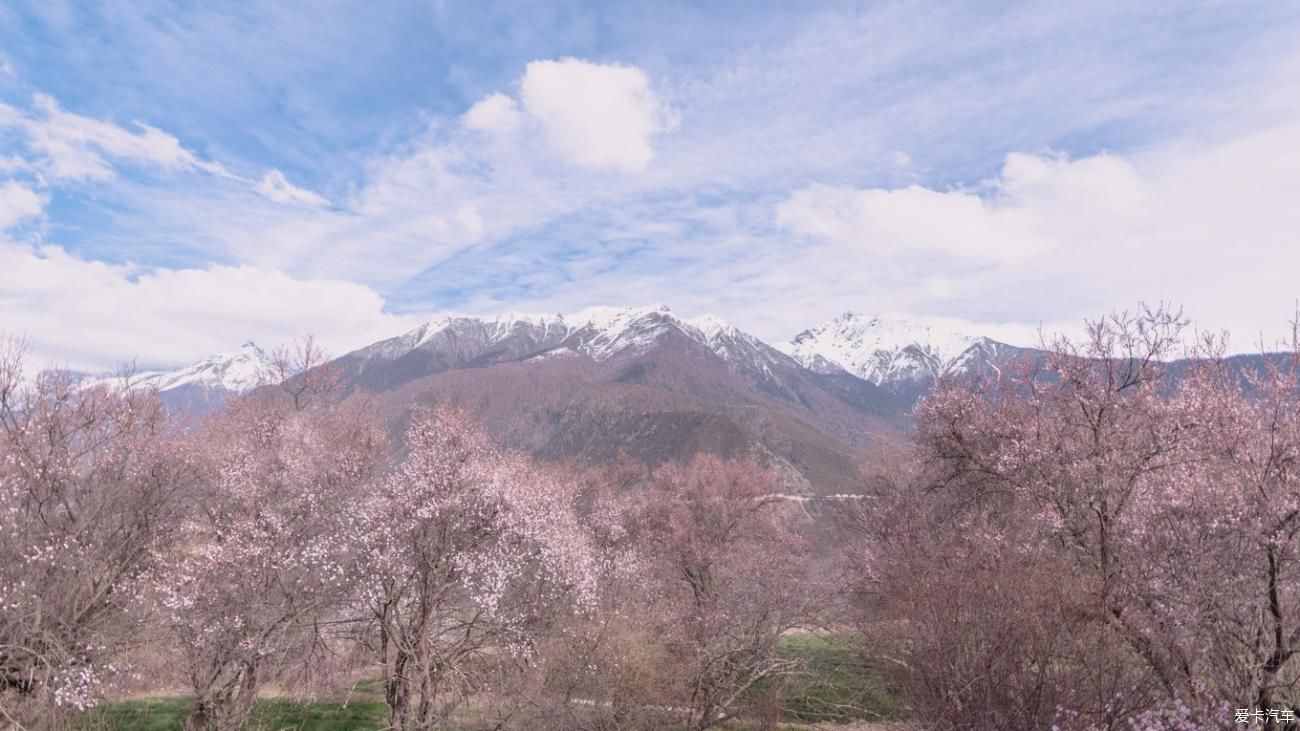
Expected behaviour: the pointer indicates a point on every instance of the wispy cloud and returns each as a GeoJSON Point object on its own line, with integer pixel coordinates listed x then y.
{"type": "Point", "coordinates": [274, 186]}
{"type": "Point", "coordinates": [66, 146]}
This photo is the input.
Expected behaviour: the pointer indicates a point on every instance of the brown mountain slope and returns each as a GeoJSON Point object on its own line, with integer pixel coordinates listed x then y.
{"type": "Point", "coordinates": [668, 401]}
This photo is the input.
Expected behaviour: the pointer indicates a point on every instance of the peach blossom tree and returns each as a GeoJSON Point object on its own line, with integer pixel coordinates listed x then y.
{"type": "Point", "coordinates": [90, 483]}
{"type": "Point", "coordinates": [267, 562]}
{"type": "Point", "coordinates": [1162, 495]}
{"type": "Point", "coordinates": [728, 563]}
{"type": "Point", "coordinates": [467, 554]}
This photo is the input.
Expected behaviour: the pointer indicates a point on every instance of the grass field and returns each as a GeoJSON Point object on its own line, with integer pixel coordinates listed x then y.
{"type": "Point", "coordinates": [271, 714]}
{"type": "Point", "coordinates": [837, 684]}
{"type": "Point", "coordinates": [837, 687]}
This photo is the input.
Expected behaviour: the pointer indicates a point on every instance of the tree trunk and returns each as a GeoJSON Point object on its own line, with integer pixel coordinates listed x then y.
{"type": "Point", "coordinates": [398, 694]}
{"type": "Point", "coordinates": [1281, 651]}
{"type": "Point", "coordinates": [230, 709]}
{"type": "Point", "coordinates": [201, 716]}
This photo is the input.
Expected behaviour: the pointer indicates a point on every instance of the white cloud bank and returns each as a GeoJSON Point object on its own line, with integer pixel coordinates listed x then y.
{"type": "Point", "coordinates": [1212, 226]}
{"type": "Point", "coordinates": [1013, 217]}
{"type": "Point", "coordinates": [102, 313]}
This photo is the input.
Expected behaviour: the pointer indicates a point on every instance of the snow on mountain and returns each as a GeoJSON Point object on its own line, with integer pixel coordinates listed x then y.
{"type": "Point", "coordinates": [598, 332]}
{"type": "Point", "coordinates": [883, 351]}
{"type": "Point", "coordinates": [888, 350]}
{"type": "Point", "coordinates": [205, 385]}
{"type": "Point", "coordinates": [236, 371]}
{"type": "Point", "coordinates": [606, 331]}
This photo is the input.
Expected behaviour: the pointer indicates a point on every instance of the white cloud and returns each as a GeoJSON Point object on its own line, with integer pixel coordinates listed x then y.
{"type": "Point", "coordinates": [596, 116]}
{"type": "Point", "coordinates": [495, 114]}
{"type": "Point", "coordinates": [939, 287]}
{"type": "Point", "coordinates": [276, 187]}
{"type": "Point", "coordinates": [1103, 185]}
{"type": "Point", "coordinates": [17, 203]}
{"type": "Point", "coordinates": [884, 222]}
{"type": "Point", "coordinates": [467, 218]}
{"type": "Point", "coordinates": [92, 315]}
{"type": "Point", "coordinates": [1010, 218]}
{"type": "Point", "coordinates": [10, 164]}
{"type": "Point", "coordinates": [593, 116]}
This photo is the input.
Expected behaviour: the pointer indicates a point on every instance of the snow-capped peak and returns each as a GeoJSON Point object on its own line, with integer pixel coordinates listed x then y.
{"type": "Point", "coordinates": [614, 318]}
{"type": "Point", "coordinates": [236, 371]}
{"type": "Point", "coordinates": [883, 349]}
{"type": "Point", "coordinates": [712, 326]}
{"type": "Point", "coordinates": [598, 332]}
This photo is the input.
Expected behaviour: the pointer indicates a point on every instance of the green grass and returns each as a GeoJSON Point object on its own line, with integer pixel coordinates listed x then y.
{"type": "Point", "coordinates": [837, 683]}
{"type": "Point", "coordinates": [270, 714]}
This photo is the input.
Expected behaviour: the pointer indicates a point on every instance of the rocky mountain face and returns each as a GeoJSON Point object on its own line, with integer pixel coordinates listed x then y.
{"type": "Point", "coordinates": [600, 334]}
{"type": "Point", "coordinates": [639, 383]}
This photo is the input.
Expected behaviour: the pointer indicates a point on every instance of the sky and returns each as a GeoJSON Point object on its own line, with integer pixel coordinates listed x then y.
{"type": "Point", "coordinates": [177, 178]}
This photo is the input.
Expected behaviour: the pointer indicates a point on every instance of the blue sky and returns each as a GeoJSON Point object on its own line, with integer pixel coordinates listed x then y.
{"type": "Point", "coordinates": [176, 178]}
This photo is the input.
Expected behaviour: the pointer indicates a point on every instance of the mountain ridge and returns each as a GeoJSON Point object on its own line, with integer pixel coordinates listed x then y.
{"type": "Point", "coordinates": [603, 384]}
{"type": "Point", "coordinates": [899, 354]}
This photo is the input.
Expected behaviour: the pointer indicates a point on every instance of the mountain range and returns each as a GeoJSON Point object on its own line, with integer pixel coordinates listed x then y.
{"type": "Point", "coordinates": [643, 384]}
